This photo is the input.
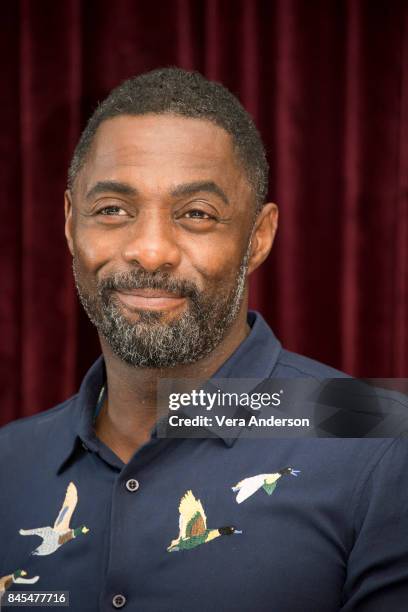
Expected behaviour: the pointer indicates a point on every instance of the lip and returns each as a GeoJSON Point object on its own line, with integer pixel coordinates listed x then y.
{"type": "Point", "coordinates": [150, 299]}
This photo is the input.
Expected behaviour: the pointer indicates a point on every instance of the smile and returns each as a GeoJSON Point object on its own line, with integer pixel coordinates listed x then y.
{"type": "Point", "coordinates": [150, 299]}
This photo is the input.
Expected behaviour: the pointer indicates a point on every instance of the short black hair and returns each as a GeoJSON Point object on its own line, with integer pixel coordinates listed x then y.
{"type": "Point", "coordinates": [189, 94]}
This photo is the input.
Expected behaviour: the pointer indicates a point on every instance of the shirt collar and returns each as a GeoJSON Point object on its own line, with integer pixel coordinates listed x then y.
{"type": "Point", "coordinates": [75, 431]}
{"type": "Point", "coordinates": [254, 358]}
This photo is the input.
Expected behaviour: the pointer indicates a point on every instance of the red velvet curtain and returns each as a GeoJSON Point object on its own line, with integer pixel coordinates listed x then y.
{"type": "Point", "coordinates": [327, 82]}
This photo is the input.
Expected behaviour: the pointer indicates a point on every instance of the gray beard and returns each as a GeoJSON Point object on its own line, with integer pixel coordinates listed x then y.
{"type": "Point", "coordinates": [147, 343]}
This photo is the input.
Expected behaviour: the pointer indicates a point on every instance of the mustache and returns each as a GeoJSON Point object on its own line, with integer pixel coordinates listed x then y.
{"type": "Point", "coordinates": [140, 279]}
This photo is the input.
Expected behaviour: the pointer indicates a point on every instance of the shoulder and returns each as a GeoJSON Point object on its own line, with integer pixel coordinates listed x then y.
{"type": "Point", "coordinates": [291, 364]}
{"type": "Point", "coordinates": [37, 444]}
{"type": "Point", "coordinates": [36, 426]}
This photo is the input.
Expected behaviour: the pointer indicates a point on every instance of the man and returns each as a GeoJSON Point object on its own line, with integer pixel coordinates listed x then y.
{"type": "Point", "coordinates": [166, 219]}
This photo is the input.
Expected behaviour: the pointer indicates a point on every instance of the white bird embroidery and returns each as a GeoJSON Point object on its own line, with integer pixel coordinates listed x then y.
{"type": "Point", "coordinates": [60, 533]}
{"type": "Point", "coordinates": [249, 486]}
{"type": "Point", "coordinates": [16, 577]}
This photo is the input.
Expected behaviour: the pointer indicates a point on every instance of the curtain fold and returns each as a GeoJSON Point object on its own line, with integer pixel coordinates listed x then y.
{"type": "Point", "coordinates": [327, 83]}
{"type": "Point", "coordinates": [400, 218]}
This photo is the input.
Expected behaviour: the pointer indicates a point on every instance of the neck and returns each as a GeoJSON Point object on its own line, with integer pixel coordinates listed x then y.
{"type": "Point", "coordinates": [128, 414]}
{"type": "Point", "coordinates": [212, 534]}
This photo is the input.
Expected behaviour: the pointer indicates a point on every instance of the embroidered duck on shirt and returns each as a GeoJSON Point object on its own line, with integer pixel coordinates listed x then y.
{"type": "Point", "coordinates": [60, 533]}
{"type": "Point", "coordinates": [16, 577]}
{"type": "Point", "coordinates": [268, 482]}
{"type": "Point", "coordinates": [193, 525]}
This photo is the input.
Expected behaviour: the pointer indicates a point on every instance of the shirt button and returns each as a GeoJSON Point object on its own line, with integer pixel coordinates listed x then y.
{"type": "Point", "coordinates": [132, 485]}
{"type": "Point", "coordinates": [119, 601]}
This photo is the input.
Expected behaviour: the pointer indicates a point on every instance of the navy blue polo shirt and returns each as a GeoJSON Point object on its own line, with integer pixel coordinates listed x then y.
{"type": "Point", "coordinates": [161, 533]}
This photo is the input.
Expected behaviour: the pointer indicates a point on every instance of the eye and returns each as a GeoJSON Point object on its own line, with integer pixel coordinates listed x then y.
{"type": "Point", "coordinates": [198, 214]}
{"type": "Point", "coordinates": [112, 211]}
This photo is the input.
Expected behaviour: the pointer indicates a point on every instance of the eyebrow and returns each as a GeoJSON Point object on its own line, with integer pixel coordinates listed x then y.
{"type": "Point", "coordinates": [197, 186]}
{"type": "Point", "coordinates": [184, 189]}
{"type": "Point", "coordinates": [112, 186]}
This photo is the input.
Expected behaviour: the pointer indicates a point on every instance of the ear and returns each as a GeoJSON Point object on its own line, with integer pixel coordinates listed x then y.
{"type": "Point", "coordinates": [68, 220]}
{"type": "Point", "coordinates": [263, 235]}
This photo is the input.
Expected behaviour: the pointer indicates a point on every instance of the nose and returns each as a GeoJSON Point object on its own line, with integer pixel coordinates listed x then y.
{"type": "Point", "coordinates": [150, 242]}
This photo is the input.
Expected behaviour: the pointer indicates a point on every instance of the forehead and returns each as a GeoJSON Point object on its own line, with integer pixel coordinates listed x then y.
{"type": "Point", "coordinates": [162, 150]}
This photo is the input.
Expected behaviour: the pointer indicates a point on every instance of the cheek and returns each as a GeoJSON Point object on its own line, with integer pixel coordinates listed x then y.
{"type": "Point", "coordinates": [216, 264]}
{"type": "Point", "coordinates": [219, 257]}
{"type": "Point", "coordinates": [92, 249]}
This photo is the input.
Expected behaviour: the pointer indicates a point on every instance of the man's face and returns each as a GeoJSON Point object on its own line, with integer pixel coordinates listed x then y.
{"type": "Point", "coordinates": [159, 226]}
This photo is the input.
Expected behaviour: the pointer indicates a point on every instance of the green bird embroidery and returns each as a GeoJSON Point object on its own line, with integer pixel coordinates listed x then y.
{"type": "Point", "coordinates": [16, 577]}
{"type": "Point", "coordinates": [193, 525]}
{"type": "Point", "coordinates": [60, 533]}
{"type": "Point", "coordinates": [247, 487]}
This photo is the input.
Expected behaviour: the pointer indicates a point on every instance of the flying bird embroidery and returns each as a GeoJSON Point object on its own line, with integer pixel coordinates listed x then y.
{"type": "Point", "coordinates": [193, 525]}
{"type": "Point", "coordinates": [247, 487]}
{"type": "Point", "coordinates": [60, 533]}
{"type": "Point", "coordinates": [16, 577]}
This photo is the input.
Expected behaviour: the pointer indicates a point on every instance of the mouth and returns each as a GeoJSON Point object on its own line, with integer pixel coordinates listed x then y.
{"type": "Point", "coordinates": [150, 299]}
{"type": "Point", "coordinates": [295, 472]}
